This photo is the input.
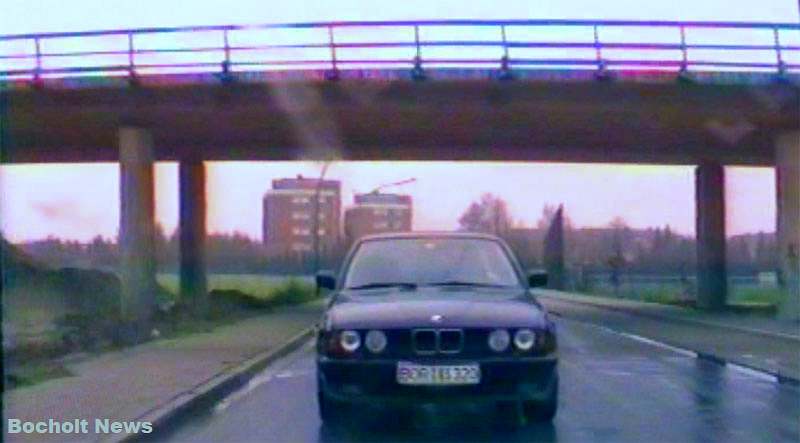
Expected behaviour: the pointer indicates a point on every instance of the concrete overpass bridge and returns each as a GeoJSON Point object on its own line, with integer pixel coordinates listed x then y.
{"type": "Point", "coordinates": [503, 91]}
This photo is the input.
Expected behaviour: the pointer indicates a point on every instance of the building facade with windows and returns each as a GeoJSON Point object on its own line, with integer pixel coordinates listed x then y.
{"type": "Point", "coordinates": [288, 217]}
{"type": "Point", "coordinates": [376, 213]}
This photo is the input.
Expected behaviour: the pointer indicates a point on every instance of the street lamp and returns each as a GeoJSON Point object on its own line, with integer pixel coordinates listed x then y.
{"type": "Point", "coordinates": [315, 224]}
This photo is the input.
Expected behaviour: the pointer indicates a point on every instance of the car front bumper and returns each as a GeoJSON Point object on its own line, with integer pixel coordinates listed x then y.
{"type": "Point", "coordinates": [374, 381]}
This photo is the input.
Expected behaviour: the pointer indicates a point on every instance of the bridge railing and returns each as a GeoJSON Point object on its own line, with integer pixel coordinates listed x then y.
{"type": "Point", "coordinates": [503, 44]}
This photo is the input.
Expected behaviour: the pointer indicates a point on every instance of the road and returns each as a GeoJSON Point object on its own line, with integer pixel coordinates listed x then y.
{"type": "Point", "coordinates": [613, 388]}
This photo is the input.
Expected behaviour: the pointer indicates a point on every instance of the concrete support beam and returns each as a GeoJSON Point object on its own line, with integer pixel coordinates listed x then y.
{"type": "Point", "coordinates": [136, 230]}
{"type": "Point", "coordinates": [787, 156]}
{"type": "Point", "coordinates": [192, 229]}
{"type": "Point", "coordinates": [712, 277]}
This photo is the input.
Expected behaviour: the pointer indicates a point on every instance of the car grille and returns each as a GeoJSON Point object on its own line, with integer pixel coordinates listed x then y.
{"type": "Point", "coordinates": [441, 344]}
{"type": "Point", "coordinates": [433, 341]}
{"type": "Point", "coordinates": [451, 340]}
{"type": "Point", "coordinates": [423, 341]}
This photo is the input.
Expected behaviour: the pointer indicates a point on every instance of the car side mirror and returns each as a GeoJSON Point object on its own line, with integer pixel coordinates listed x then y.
{"type": "Point", "coordinates": [537, 279]}
{"type": "Point", "coordinates": [326, 280]}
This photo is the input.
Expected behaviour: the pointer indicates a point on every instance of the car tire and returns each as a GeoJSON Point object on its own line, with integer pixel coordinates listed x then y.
{"type": "Point", "coordinates": [542, 411]}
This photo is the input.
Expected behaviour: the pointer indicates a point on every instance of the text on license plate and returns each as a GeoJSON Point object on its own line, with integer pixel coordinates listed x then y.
{"type": "Point", "coordinates": [414, 374]}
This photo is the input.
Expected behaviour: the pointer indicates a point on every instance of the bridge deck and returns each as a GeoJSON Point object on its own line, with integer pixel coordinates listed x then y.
{"type": "Point", "coordinates": [383, 115]}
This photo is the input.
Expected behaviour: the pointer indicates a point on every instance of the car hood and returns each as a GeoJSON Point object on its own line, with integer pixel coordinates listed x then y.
{"type": "Point", "coordinates": [397, 308]}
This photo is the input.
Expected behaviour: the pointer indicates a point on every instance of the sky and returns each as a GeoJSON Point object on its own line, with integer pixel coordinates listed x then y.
{"type": "Point", "coordinates": [81, 201]}
{"type": "Point", "coordinates": [21, 16]}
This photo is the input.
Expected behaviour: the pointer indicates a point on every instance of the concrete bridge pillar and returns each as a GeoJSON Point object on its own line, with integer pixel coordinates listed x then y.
{"type": "Point", "coordinates": [787, 159]}
{"type": "Point", "coordinates": [136, 230]}
{"type": "Point", "coordinates": [712, 276]}
{"type": "Point", "coordinates": [192, 230]}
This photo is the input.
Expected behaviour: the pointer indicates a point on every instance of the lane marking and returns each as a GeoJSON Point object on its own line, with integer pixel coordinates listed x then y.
{"type": "Point", "coordinates": [293, 374]}
{"type": "Point", "coordinates": [276, 370]}
{"type": "Point", "coordinates": [669, 318]}
{"type": "Point", "coordinates": [658, 344]}
{"type": "Point", "coordinates": [742, 369]}
{"type": "Point", "coordinates": [752, 372]}
{"type": "Point", "coordinates": [639, 338]}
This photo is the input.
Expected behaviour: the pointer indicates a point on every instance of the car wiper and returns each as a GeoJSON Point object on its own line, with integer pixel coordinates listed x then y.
{"type": "Point", "coordinates": [467, 283]}
{"type": "Point", "coordinates": [404, 285]}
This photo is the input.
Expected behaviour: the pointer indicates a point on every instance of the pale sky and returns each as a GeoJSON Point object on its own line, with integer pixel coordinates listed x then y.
{"type": "Point", "coordinates": [23, 16]}
{"type": "Point", "coordinates": [80, 201]}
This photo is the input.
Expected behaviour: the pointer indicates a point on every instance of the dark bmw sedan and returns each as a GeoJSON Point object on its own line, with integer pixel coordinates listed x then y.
{"type": "Point", "coordinates": [435, 318]}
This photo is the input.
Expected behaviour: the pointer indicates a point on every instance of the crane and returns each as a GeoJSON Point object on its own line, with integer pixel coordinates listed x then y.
{"type": "Point", "coordinates": [388, 185]}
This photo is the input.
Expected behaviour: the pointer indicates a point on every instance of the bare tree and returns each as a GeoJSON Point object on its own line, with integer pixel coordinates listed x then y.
{"type": "Point", "coordinates": [490, 214]}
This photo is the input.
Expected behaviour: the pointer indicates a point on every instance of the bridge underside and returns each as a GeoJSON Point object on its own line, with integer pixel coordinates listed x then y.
{"type": "Point", "coordinates": [710, 125]}
{"type": "Point", "coordinates": [390, 119]}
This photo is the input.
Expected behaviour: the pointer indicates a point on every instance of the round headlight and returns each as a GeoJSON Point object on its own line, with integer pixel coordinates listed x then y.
{"type": "Point", "coordinates": [524, 339]}
{"type": "Point", "coordinates": [499, 340]}
{"type": "Point", "coordinates": [375, 341]}
{"type": "Point", "coordinates": [349, 340]}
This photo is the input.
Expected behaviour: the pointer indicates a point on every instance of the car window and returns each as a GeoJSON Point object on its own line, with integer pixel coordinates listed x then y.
{"type": "Point", "coordinates": [425, 261]}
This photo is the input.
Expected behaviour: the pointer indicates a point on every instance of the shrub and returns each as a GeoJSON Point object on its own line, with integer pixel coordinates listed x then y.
{"type": "Point", "coordinates": [292, 292]}
{"type": "Point", "coordinates": [224, 303]}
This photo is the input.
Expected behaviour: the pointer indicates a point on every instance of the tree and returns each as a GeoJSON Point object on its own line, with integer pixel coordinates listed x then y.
{"type": "Point", "coordinates": [765, 253]}
{"type": "Point", "coordinates": [740, 259]}
{"type": "Point", "coordinates": [616, 261]}
{"type": "Point", "coordinates": [490, 214]}
{"type": "Point", "coordinates": [554, 251]}
{"type": "Point", "coordinates": [166, 253]}
{"type": "Point", "coordinates": [548, 212]}
{"type": "Point", "coordinates": [101, 253]}
{"type": "Point", "coordinates": [618, 223]}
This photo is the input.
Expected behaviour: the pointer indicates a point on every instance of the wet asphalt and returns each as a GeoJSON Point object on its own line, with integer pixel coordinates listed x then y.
{"type": "Point", "coordinates": [614, 388]}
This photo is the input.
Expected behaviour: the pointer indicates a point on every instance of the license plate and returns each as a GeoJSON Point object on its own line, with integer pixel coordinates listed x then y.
{"type": "Point", "coordinates": [414, 374]}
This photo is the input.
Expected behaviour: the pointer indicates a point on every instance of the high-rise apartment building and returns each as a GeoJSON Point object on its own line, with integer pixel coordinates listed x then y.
{"type": "Point", "coordinates": [288, 216]}
{"type": "Point", "coordinates": [376, 213]}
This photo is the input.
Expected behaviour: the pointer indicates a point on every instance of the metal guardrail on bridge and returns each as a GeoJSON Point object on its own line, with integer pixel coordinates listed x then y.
{"type": "Point", "coordinates": [503, 44]}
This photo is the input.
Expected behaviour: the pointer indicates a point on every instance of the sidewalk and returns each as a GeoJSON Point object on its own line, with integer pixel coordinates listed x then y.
{"type": "Point", "coordinates": [128, 384]}
{"type": "Point", "coordinates": [752, 323]}
{"type": "Point", "coordinates": [761, 343]}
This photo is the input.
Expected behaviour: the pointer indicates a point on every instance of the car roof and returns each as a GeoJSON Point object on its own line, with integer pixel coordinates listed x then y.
{"type": "Point", "coordinates": [429, 234]}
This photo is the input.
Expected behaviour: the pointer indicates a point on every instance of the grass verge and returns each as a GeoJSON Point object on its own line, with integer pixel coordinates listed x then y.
{"type": "Point", "coordinates": [36, 372]}
{"type": "Point", "coordinates": [741, 299]}
{"type": "Point", "coordinates": [259, 286]}
{"type": "Point", "coordinates": [232, 298]}
{"type": "Point", "coordinates": [229, 303]}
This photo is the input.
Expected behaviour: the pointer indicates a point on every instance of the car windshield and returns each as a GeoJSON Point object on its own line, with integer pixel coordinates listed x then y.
{"type": "Point", "coordinates": [430, 261]}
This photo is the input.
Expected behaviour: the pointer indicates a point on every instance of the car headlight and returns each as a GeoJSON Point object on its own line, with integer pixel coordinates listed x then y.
{"type": "Point", "coordinates": [350, 341]}
{"type": "Point", "coordinates": [499, 340]}
{"type": "Point", "coordinates": [524, 339]}
{"type": "Point", "coordinates": [375, 341]}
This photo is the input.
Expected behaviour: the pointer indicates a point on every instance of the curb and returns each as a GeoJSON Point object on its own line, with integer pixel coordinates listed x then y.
{"type": "Point", "coordinates": [779, 377]}
{"type": "Point", "coordinates": [212, 390]}
{"type": "Point", "coordinates": [633, 311]}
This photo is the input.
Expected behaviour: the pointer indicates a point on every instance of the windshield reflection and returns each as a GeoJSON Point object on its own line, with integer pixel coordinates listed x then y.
{"type": "Point", "coordinates": [412, 262]}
